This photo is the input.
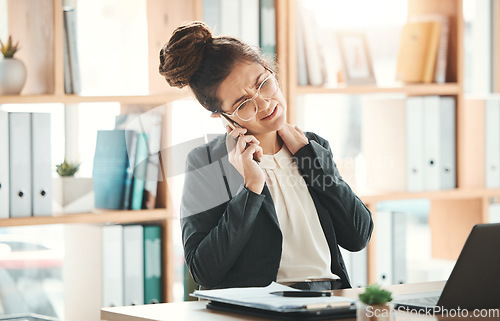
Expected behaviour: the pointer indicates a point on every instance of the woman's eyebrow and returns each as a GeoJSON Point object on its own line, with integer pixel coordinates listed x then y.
{"type": "Point", "coordinates": [255, 85]}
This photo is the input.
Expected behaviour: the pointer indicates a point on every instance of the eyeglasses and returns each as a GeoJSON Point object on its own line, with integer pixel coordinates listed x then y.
{"type": "Point", "coordinates": [248, 108]}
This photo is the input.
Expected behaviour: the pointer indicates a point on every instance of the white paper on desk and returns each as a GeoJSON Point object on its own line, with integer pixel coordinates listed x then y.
{"type": "Point", "coordinates": [261, 297]}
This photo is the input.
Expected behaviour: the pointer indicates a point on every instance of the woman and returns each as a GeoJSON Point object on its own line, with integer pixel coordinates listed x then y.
{"type": "Point", "coordinates": [265, 202]}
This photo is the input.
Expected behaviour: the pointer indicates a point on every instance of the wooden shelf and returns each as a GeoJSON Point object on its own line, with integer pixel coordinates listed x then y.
{"type": "Point", "coordinates": [99, 216]}
{"type": "Point", "coordinates": [74, 99]}
{"type": "Point", "coordinates": [457, 194]}
{"type": "Point", "coordinates": [417, 89]}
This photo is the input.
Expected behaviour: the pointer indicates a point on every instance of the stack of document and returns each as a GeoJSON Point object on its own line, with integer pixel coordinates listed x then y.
{"type": "Point", "coordinates": [262, 298]}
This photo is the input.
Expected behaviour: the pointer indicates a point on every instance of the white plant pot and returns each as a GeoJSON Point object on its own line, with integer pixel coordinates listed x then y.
{"type": "Point", "coordinates": [73, 195]}
{"type": "Point", "coordinates": [12, 76]}
{"type": "Point", "coordinates": [383, 312]}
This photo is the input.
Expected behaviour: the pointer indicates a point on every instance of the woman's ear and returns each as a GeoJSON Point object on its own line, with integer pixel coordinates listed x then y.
{"type": "Point", "coordinates": [215, 115]}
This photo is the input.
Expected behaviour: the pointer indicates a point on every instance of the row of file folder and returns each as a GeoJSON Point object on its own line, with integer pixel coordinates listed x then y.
{"type": "Point", "coordinates": [131, 265]}
{"type": "Point", "coordinates": [409, 143]}
{"type": "Point", "coordinates": [25, 164]}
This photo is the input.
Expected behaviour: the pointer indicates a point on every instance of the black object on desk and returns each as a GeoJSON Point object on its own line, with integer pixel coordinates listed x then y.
{"type": "Point", "coordinates": [302, 294]}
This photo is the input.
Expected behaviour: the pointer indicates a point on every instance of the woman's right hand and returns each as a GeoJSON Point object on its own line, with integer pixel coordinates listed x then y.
{"type": "Point", "coordinates": [242, 150]}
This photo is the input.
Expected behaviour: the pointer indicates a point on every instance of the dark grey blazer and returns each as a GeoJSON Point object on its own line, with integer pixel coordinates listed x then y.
{"type": "Point", "coordinates": [232, 236]}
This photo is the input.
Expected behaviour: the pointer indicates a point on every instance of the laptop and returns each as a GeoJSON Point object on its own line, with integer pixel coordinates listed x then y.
{"type": "Point", "coordinates": [474, 281]}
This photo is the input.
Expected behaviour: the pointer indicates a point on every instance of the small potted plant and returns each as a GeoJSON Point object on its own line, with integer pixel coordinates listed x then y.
{"type": "Point", "coordinates": [72, 194]}
{"type": "Point", "coordinates": [67, 169]}
{"type": "Point", "coordinates": [12, 70]}
{"type": "Point", "coordinates": [374, 304]}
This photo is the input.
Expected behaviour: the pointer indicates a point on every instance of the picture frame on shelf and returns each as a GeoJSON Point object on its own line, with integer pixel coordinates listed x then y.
{"type": "Point", "coordinates": [357, 65]}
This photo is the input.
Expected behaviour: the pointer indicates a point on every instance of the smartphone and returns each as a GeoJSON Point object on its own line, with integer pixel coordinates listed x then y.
{"type": "Point", "coordinates": [226, 121]}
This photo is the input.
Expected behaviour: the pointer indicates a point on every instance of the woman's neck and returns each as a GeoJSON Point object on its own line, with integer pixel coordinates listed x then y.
{"type": "Point", "coordinates": [270, 142]}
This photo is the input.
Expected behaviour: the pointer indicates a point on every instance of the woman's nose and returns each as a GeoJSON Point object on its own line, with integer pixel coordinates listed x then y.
{"type": "Point", "coordinates": [262, 103]}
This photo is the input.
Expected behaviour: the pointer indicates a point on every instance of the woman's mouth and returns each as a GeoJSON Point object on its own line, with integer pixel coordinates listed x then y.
{"type": "Point", "coordinates": [272, 114]}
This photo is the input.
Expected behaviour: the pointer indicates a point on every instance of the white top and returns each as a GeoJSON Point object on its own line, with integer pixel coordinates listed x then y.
{"type": "Point", "coordinates": [305, 252]}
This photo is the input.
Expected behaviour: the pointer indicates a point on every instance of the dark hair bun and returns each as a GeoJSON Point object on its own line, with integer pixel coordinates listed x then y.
{"type": "Point", "coordinates": [181, 57]}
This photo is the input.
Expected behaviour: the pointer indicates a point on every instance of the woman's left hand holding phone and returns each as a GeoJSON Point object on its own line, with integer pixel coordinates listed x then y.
{"type": "Point", "coordinates": [243, 150]}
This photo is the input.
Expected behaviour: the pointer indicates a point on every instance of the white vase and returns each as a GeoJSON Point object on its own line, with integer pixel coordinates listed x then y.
{"type": "Point", "coordinates": [12, 76]}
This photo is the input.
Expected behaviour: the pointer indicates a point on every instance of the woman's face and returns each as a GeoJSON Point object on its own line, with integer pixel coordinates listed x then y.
{"type": "Point", "coordinates": [241, 84]}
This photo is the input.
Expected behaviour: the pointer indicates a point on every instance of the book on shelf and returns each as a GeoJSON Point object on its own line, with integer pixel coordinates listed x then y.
{"type": "Point", "coordinates": [409, 143]}
{"type": "Point", "coordinates": [71, 60]}
{"type": "Point", "coordinates": [140, 172]}
{"type": "Point", "coordinates": [146, 164]}
{"type": "Point", "coordinates": [268, 27]}
{"type": "Point", "coordinates": [314, 58]}
{"type": "Point", "coordinates": [442, 51]}
{"type": "Point", "coordinates": [111, 164]}
{"type": "Point", "coordinates": [302, 77]}
{"type": "Point", "coordinates": [152, 264]}
{"type": "Point", "coordinates": [417, 52]}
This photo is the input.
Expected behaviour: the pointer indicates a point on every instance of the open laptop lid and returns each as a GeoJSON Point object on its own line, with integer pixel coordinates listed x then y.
{"type": "Point", "coordinates": [475, 279]}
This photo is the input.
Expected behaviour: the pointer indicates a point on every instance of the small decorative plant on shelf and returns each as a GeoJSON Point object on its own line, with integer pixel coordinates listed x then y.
{"type": "Point", "coordinates": [9, 49]}
{"type": "Point", "coordinates": [12, 70]}
{"type": "Point", "coordinates": [374, 304]}
{"type": "Point", "coordinates": [72, 194]}
{"type": "Point", "coordinates": [67, 169]}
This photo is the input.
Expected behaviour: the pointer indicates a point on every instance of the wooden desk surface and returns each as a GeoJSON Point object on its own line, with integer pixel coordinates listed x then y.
{"type": "Point", "coordinates": [197, 310]}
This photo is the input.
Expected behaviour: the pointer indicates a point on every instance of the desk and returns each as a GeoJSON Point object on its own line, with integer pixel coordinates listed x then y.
{"type": "Point", "coordinates": [197, 311]}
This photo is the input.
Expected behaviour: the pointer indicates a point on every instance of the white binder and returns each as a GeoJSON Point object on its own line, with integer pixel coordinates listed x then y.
{"type": "Point", "coordinates": [4, 164]}
{"type": "Point", "coordinates": [391, 264]}
{"type": "Point", "coordinates": [431, 142]}
{"type": "Point", "coordinates": [20, 164]}
{"type": "Point", "coordinates": [133, 265]}
{"type": "Point", "coordinates": [230, 18]}
{"type": "Point", "coordinates": [356, 266]}
{"type": "Point", "coordinates": [384, 247]}
{"type": "Point", "coordinates": [415, 144]}
{"type": "Point", "coordinates": [249, 22]}
{"type": "Point", "coordinates": [494, 213]}
{"type": "Point", "coordinates": [211, 15]}
{"type": "Point", "coordinates": [41, 164]}
{"type": "Point", "coordinates": [399, 268]}
{"type": "Point", "coordinates": [447, 164]}
{"type": "Point", "coordinates": [492, 143]}
{"type": "Point", "coordinates": [359, 269]}
{"type": "Point", "coordinates": [112, 265]}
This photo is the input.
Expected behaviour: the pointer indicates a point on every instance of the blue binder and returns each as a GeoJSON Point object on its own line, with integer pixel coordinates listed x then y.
{"type": "Point", "coordinates": [111, 168]}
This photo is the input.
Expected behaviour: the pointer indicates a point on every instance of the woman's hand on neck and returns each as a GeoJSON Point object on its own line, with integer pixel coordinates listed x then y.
{"type": "Point", "coordinates": [270, 142]}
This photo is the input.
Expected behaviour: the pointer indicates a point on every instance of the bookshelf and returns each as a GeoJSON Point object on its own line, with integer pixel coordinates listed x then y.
{"type": "Point", "coordinates": [453, 212]}
{"type": "Point", "coordinates": [468, 204]}
{"type": "Point", "coordinates": [41, 36]}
